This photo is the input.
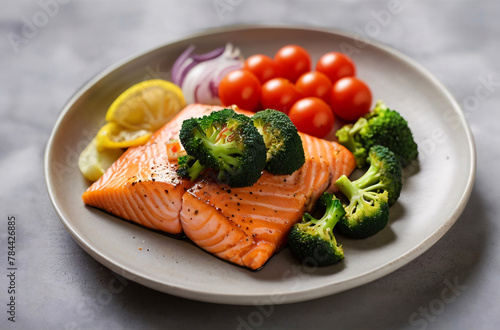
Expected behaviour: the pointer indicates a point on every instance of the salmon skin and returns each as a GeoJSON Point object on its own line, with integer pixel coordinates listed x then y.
{"type": "Point", "coordinates": [245, 226]}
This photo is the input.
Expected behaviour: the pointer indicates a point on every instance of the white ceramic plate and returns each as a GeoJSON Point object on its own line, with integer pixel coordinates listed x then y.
{"type": "Point", "coordinates": [434, 194]}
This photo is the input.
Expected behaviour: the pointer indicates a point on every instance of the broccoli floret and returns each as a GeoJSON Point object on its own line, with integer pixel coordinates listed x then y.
{"type": "Point", "coordinates": [349, 137]}
{"type": "Point", "coordinates": [312, 241]}
{"type": "Point", "coordinates": [367, 212]}
{"type": "Point", "coordinates": [285, 153]}
{"type": "Point", "coordinates": [381, 126]}
{"type": "Point", "coordinates": [190, 167]}
{"type": "Point", "coordinates": [384, 173]}
{"type": "Point", "coordinates": [228, 143]}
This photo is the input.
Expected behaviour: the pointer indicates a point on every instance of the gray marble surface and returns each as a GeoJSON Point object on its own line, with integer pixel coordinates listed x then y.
{"type": "Point", "coordinates": [49, 48]}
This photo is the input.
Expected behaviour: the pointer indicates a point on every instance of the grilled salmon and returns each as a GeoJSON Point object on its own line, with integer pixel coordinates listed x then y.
{"type": "Point", "coordinates": [248, 225]}
{"type": "Point", "coordinates": [142, 185]}
{"type": "Point", "coordinates": [245, 226]}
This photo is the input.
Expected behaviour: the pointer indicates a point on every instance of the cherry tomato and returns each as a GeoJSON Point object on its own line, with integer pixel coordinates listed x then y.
{"type": "Point", "coordinates": [312, 116]}
{"type": "Point", "coordinates": [262, 66]}
{"type": "Point", "coordinates": [242, 88]}
{"type": "Point", "coordinates": [279, 94]}
{"type": "Point", "coordinates": [292, 61]}
{"type": "Point", "coordinates": [336, 65]}
{"type": "Point", "coordinates": [315, 84]}
{"type": "Point", "coordinates": [351, 98]}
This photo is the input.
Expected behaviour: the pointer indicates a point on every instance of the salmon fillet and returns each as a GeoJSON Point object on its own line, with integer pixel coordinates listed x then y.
{"type": "Point", "coordinates": [248, 225]}
{"type": "Point", "coordinates": [245, 226]}
{"type": "Point", "coordinates": [142, 185]}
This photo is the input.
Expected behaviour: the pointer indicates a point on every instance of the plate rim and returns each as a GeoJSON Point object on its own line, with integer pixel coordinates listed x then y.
{"type": "Point", "coordinates": [293, 296]}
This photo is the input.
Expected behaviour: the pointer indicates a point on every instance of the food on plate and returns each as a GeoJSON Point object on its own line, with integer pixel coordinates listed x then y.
{"type": "Point", "coordinates": [384, 173]}
{"type": "Point", "coordinates": [312, 241]}
{"type": "Point", "coordinates": [175, 150]}
{"type": "Point", "coordinates": [262, 66]}
{"type": "Point", "coordinates": [312, 116]}
{"type": "Point", "coordinates": [241, 88]}
{"type": "Point", "coordinates": [336, 65]}
{"type": "Point", "coordinates": [351, 98]}
{"type": "Point", "coordinates": [279, 94]}
{"type": "Point", "coordinates": [238, 183]}
{"type": "Point", "coordinates": [236, 153]}
{"type": "Point", "coordinates": [147, 105]}
{"type": "Point", "coordinates": [132, 118]}
{"type": "Point", "coordinates": [292, 61]}
{"type": "Point", "coordinates": [287, 79]}
{"type": "Point", "coordinates": [199, 75]}
{"type": "Point", "coordinates": [189, 167]}
{"type": "Point", "coordinates": [143, 186]}
{"type": "Point", "coordinates": [370, 196]}
{"type": "Point", "coordinates": [285, 153]}
{"type": "Point", "coordinates": [226, 142]}
{"type": "Point", "coordinates": [315, 84]}
{"type": "Point", "coordinates": [92, 162]}
{"type": "Point", "coordinates": [248, 225]}
{"type": "Point", "coordinates": [381, 126]}
{"type": "Point", "coordinates": [115, 136]}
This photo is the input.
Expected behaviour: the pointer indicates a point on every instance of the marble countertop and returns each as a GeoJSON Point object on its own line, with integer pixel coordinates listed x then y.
{"type": "Point", "coordinates": [49, 48]}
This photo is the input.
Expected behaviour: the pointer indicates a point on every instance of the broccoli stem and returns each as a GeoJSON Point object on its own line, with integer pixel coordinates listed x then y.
{"type": "Point", "coordinates": [227, 151]}
{"type": "Point", "coordinates": [324, 226]}
{"type": "Point", "coordinates": [358, 126]}
{"type": "Point", "coordinates": [347, 187]}
{"type": "Point", "coordinates": [327, 222]}
{"type": "Point", "coordinates": [370, 178]}
{"type": "Point", "coordinates": [354, 194]}
{"type": "Point", "coordinates": [220, 146]}
{"type": "Point", "coordinates": [346, 137]}
{"type": "Point", "coordinates": [195, 170]}
{"type": "Point", "coordinates": [370, 196]}
{"type": "Point", "coordinates": [231, 160]}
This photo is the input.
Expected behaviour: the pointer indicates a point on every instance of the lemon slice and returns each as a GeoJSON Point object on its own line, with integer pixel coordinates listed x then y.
{"type": "Point", "coordinates": [132, 118]}
{"type": "Point", "coordinates": [115, 136]}
{"type": "Point", "coordinates": [147, 105]}
{"type": "Point", "coordinates": [93, 163]}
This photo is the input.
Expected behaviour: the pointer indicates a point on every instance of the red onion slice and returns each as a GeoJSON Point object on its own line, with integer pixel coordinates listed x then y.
{"type": "Point", "coordinates": [199, 75]}
{"type": "Point", "coordinates": [177, 74]}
